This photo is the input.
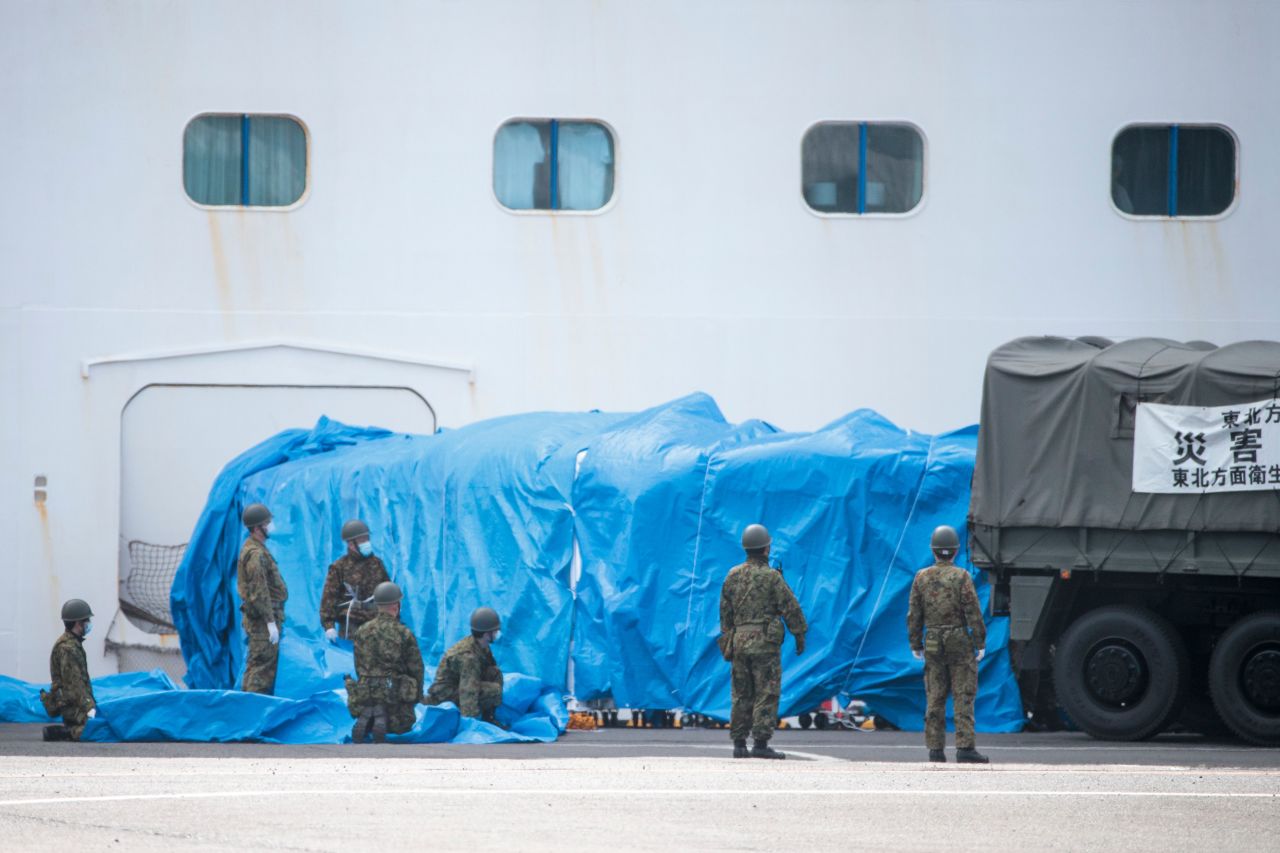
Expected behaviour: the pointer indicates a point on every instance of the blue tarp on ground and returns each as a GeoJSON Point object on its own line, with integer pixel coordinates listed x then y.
{"type": "Point", "coordinates": [148, 706]}
{"type": "Point", "coordinates": [490, 513]}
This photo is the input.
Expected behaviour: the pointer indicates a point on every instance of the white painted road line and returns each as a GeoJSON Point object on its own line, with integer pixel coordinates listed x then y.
{"type": "Point", "coordinates": [631, 793]}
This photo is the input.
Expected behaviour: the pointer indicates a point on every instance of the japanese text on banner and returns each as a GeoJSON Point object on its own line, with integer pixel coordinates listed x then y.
{"type": "Point", "coordinates": [1183, 449]}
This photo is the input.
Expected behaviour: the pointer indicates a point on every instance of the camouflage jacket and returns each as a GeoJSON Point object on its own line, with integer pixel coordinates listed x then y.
{"type": "Point", "coordinates": [462, 670]}
{"type": "Point", "coordinates": [388, 662]}
{"type": "Point", "coordinates": [262, 590]}
{"type": "Point", "coordinates": [69, 674]}
{"type": "Point", "coordinates": [754, 595]}
{"type": "Point", "coordinates": [942, 596]}
{"type": "Point", "coordinates": [361, 575]}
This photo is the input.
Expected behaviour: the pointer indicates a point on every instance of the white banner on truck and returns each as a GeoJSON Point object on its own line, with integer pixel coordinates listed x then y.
{"type": "Point", "coordinates": [1179, 449]}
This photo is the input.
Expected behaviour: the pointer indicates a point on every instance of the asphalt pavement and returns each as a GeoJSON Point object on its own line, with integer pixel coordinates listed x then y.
{"type": "Point", "coordinates": [644, 789]}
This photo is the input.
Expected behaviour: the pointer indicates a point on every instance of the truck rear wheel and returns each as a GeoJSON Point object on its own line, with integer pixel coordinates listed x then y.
{"type": "Point", "coordinates": [1244, 678]}
{"type": "Point", "coordinates": [1121, 673]}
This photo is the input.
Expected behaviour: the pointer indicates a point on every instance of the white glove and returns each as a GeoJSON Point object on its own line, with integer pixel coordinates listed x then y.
{"type": "Point", "coordinates": [273, 633]}
{"type": "Point", "coordinates": [917, 654]}
{"type": "Point", "coordinates": [331, 634]}
{"type": "Point", "coordinates": [93, 712]}
{"type": "Point", "coordinates": [980, 654]}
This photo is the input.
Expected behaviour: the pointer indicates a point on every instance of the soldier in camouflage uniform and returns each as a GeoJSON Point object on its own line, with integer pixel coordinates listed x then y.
{"type": "Point", "coordinates": [70, 693]}
{"type": "Point", "coordinates": [262, 597]}
{"type": "Point", "coordinates": [468, 675]}
{"type": "Point", "coordinates": [351, 580]}
{"type": "Point", "coordinates": [389, 671]}
{"type": "Point", "coordinates": [945, 628]}
{"type": "Point", "coordinates": [752, 599]}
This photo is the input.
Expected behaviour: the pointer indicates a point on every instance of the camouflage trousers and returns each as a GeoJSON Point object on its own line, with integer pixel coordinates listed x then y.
{"type": "Point", "coordinates": [260, 661]}
{"type": "Point", "coordinates": [952, 669]}
{"type": "Point", "coordinates": [755, 685]}
{"type": "Point", "coordinates": [75, 720]}
{"type": "Point", "coordinates": [400, 716]}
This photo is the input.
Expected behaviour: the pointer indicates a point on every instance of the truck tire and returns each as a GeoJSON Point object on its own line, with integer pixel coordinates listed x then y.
{"type": "Point", "coordinates": [1121, 673]}
{"type": "Point", "coordinates": [1244, 678]}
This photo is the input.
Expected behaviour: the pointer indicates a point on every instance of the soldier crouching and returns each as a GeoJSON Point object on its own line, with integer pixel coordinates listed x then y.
{"type": "Point", "coordinates": [468, 675]}
{"type": "Point", "coordinates": [389, 672]}
{"type": "Point", "coordinates": [70, 693]}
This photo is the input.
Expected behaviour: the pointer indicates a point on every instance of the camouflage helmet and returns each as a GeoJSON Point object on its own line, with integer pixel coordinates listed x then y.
{"type": "Point", "coordinates": [354, 529]}
{"type": "Point", "coordinates": [75, 610]}
{"type": "Point", "coordinates": [945, 539]}
{"type": "Point", "coordinates": [255, 515]}
{"type": "Point", "coordinates": [755, 537]}
{"type": "Point", "coordinates": [485, 619]}
{"type": "Point", "coordinates": [387, 593]}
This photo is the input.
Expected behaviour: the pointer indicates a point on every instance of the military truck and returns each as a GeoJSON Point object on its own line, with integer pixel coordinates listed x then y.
{"type": "Point", "coordinates": [1133, 610]}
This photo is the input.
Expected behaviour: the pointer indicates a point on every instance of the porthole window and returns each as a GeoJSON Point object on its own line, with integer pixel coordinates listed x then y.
{"type": "Point", "coordinates": [1170, 170]}
{"type": "Point", "coordinates": [851, 167]}
{"type": "Point", "coordinates": [244, 160]}
{"type": "Point", "coordinates": [553, 164]}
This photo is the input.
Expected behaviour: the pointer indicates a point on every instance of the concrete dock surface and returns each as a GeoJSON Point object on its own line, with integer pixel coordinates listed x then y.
{"type": "Point", "coordinates": [640, 790]}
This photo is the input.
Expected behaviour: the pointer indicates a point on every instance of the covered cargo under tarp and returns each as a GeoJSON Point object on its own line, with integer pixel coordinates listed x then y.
{"type": "Point", "coordinates": [651, 503]}
{"type": "Point", "coordinates": [1056, 445]}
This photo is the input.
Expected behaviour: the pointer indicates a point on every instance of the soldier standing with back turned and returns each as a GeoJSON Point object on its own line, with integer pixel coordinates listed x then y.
{"type": "Point", "coordinates": [262, 597]}
{"type": "Point", "coordinates": [752, 599]}
{"type": "Point", "coordinates": [351, 580]}
{"type": "Point", "coordinates": [945, 628]}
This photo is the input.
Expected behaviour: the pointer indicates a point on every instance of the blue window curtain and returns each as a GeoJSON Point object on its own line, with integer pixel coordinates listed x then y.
{"type": "Point", "coordinates": [549, 164]}
{"type": "Point", "coordinates": [584, 173]}
{"type": "Point", "coordinates": [211, 160]}
{"type": "Point", "coordinates": [277, 161]}
{"type": "Point", "coordinates": [218, 148]}
{"type": "Point", "coordinates": [520, 154]}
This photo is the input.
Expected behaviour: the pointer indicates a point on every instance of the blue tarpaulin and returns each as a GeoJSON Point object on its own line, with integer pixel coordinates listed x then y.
{"type": "Point", "coordinates": [601, 539]}
{"type": "Point", "coordinates": [148, 706]}
{"type": "Point", "coordinates": [653, 503]}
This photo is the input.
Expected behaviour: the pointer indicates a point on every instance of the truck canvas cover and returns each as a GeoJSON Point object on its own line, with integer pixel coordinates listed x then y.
{"type": "Point", "coordinates": [1055, 449]}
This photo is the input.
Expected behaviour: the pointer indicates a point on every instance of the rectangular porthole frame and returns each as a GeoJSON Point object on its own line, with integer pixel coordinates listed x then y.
{"type": "Point", "coordinates": [271, 208]}
{"type": "Point", "coordinates": [547, 211]}
{"type": "Point", "coordinates": [861, 124]}
{"type": "Point", "coordinates": [1165, 217]}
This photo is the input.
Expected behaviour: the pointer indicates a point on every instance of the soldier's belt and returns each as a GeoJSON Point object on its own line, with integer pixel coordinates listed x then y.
{"type": "Point", "coordinates": [944, 627]}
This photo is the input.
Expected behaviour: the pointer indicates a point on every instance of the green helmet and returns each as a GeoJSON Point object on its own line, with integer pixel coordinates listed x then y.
{"type": "Point", "coordinates": [755, 537]}
{"type": "Point", "coordinates": [354, 529]}
{"type": "Point", "coordinates": [945, 539]}
{"type": "Point", "coordinates": [387, 593]}
{"type": "Point", "coordinates": [255, 515]}
{"type": "Point", "coordinates": [485, 619]}
{"type": "Point", "coordinates": [75, 610]}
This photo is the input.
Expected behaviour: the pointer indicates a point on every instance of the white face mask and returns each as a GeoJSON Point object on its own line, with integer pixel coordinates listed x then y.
{"type": "Point", "coordinates": [271, 527]}
{"type": "Point", "coordinates": [365, 548]}
{"type": "Point", "coordinates": [497, 635]}
{"type": "Point", "coordinates": [88, 626]}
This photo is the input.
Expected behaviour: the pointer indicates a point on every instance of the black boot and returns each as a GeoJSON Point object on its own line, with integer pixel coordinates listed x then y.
{"type": "Point", "coordinates": [363, 724]}
{"type": "Point", "coordinates": [740, 748]}
{"type": "Point", "coordinates": [760, 749]}
{"type": "Point", "coordinates": [380, 724]}
{"type": "Point", "coordinates": [56, 733]}
{"type": "Point", "coordinates": [970, 756]}
{"type": "Point", "coordinates": [937, 755]}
